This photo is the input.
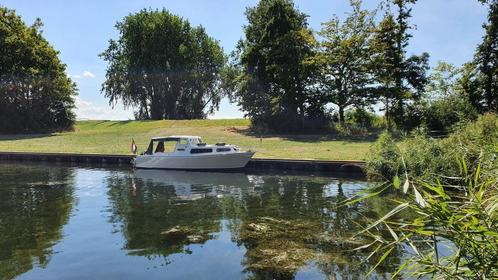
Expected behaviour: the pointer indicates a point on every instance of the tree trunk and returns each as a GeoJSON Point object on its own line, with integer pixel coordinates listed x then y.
{"type": "Point", "coordinates": [301, 116]}
{"type": "Point", "coordinates": [341, 116]}
{"type": "Point", "coordinates": [156, 107]}
{"type": "Point", "coordinates": [145, 108]}
{"type": "Point", "coordinates": [388, 119]}
{"type": "Point", "coordinates": [489, 90]}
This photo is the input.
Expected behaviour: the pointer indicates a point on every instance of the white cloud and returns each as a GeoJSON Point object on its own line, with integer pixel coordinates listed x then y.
{"type": "Point", "coordinates": [84, 74]}
{"type": "Point", "coordinates": [86, 110]}
{"type": "Point", "coordinates": [88, 74]}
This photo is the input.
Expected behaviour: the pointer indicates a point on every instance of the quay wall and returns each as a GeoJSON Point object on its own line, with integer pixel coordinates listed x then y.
{"type": "Point", "coordinates": [355, 168]}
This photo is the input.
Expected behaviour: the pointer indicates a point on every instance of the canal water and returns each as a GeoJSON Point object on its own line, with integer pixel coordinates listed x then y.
{"type": "Point", "coordinates": [66, 222]}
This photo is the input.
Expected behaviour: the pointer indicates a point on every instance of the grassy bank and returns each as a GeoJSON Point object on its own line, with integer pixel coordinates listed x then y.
{"type": "Point", "coordinates": [113, 137]}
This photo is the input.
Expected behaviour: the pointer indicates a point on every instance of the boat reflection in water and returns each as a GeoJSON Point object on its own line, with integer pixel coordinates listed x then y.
{"type": "Point", "coordinates": [190, 185]}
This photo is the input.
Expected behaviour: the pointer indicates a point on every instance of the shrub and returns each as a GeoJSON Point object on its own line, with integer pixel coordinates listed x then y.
{"type": "Point", "coordinates": [384, 159]}
{"type": "Point", "coordinates": [425, 157]}
{"type": "Point", "coordinates": [441, 115]}
{"type": "Point", "coordinates": [358, 122]}
{"type": "Point", "coordinates": [474, 142]}
{"type": "Point", "coordinates": [361, 118]}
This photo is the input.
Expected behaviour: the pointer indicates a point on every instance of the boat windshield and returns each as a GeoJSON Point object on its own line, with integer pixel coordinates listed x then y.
{"type": "Point", "coordinates": [196, 141]}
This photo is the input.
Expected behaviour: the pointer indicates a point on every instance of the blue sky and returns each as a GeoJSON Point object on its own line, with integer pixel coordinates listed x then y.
{"type": "Point", "coordinates": [80, 29]}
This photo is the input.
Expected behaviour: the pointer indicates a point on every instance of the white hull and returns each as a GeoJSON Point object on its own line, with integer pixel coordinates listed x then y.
{"type": "Point", "coordinates": [194, 162]}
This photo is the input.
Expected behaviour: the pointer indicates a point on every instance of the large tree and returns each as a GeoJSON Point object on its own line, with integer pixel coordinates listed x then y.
{"type": "Point", "coordinates": [275, 72]}
{"type": "Point", "coordinates": [35, 92]}
{"type": "Point", "coordinates": [486, 60]}
{"type": "Point", "coordinates": [164, 67]}
{"type": "Point", "coordinates": [344, 59]}
{"type": "Point", "coordinates": [401, 80]}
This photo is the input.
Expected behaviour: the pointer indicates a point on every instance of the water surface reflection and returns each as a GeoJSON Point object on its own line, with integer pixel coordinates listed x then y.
{"type": "Point", "coordinates": [286, 224]}
{"type": "Point", "coordinates": [113, 223]}
{"type": "Point", "coordinates": [35, 202]}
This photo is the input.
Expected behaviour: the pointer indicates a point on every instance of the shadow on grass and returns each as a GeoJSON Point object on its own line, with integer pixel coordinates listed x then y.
{"type": "Point", "coordinates": [121, 123]}
{"type": "Point", "coordinates": [309, 138]}
{"type": "Point", "coordinates": [10, 137]}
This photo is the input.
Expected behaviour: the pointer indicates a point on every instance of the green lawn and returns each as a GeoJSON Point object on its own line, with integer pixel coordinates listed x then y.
{"type": "Point", "coordinates": [114, 137]}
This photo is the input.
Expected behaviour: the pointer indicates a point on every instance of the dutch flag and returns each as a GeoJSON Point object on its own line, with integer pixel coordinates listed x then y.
{"type": "Point", "coordinates": [133, 147]}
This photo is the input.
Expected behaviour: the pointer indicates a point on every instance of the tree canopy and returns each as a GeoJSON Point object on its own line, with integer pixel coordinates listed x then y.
{"type": "Point", "coordinates": [164, 67]}
{"type": "Point", "coordinates": [35, 92]}
{"type": "Point", "coordinates": [401, 80]}
{"type": "Point", "coordinates": [486, 60]}
{"type": "Point", "coordinates": [281, 75]}
{"type": "Point", "coordinates": [275, 73]}
{"type": "Point", "coordinates": [344, 59]}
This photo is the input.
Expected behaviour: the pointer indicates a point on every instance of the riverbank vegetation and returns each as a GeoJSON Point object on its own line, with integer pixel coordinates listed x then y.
{"type": "Point", "coordinates": [454, 232]}
{"type": "Point", "coordinates": [451, 185]}
{"type": "Point", "coordinates": [424, 157]}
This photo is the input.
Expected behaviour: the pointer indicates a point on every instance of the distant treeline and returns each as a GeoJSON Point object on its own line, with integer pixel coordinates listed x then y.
{"type": "Point", "coordinates": [282, 74]}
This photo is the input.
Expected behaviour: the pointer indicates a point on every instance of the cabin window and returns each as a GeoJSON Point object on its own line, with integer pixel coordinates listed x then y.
{"type": "Point", "coordinates": [169, 146]}
{"type": "Point", "coordinates": [183, 142]}
{"type": "Point", "coordinates": [159, 148]}
{"type": "Point", "coordinates": [200, 151]}
{"type": "Point", "coordinates": [165, 147]}
{"type": "Point", "coordinates": [223, 150]}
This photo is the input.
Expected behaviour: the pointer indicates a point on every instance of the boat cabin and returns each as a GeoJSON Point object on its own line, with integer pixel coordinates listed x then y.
{"type": "Point", "coordinates": [184, 144]}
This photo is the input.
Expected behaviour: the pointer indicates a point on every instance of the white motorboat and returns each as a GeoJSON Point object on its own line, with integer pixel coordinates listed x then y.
{"type": "Point", "coordinates": [189, 152]}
